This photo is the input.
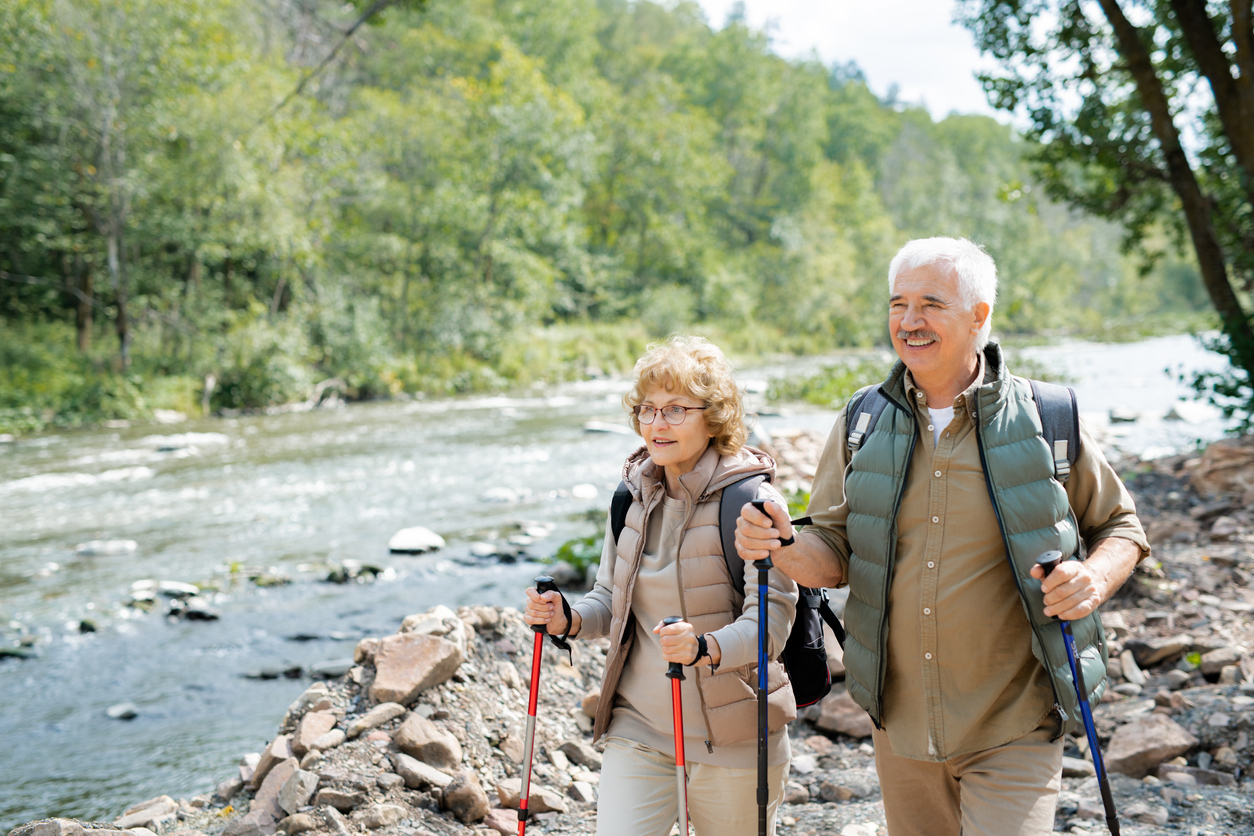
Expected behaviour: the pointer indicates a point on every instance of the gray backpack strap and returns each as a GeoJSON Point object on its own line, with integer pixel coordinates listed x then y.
{"type": "Point", "coordinates": [736, 496]}
{"type": "Point", "coordinates": [1060, 424]}
{"type": "Point", "coordinates": [861, 416]}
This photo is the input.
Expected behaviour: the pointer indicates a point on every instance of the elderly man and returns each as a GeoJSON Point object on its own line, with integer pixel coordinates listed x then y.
{"type": "Point", "coordinates": [935, 523]}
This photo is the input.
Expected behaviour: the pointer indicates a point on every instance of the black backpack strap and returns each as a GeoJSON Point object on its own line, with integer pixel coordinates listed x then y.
{"type": "Point", "coordinates": [735, 496]}
{"type": "Point", "coordinates": [825, 610]}
{"type": "Point", "coordinates": [861, 416]}
{"type": "Point", "coordinates": [1060, 424]}
{"type": "Point", "coordinates": [618, 509]}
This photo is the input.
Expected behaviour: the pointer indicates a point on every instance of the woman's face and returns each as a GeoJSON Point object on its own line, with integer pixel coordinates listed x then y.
{"type": "Point", "coordinates": [676, 447]}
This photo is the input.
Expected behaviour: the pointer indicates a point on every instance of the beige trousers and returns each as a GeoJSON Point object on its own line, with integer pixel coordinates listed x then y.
{"type": "Point", "coordinates": [1009, 790]}
{"type": "Point", "coordinates": [638, 795]}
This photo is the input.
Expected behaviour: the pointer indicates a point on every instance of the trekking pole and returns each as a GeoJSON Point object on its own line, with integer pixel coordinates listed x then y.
{"type": "Point", "coordinates": [1047, 562]}
{"type": "Point", "coordinates": [763, 566]}
{"type": "Point", "coordinates": [543, 584]}
{"type": "Point", "coordinates": [675, 671]}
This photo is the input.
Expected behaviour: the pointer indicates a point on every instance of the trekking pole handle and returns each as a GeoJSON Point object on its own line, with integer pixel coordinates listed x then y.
{"type": "Point", "coordinates": [1048, 561]}
{"type": "Point", "coordinates": [544, 584]}
{"type": "Point", "coordinates": [674, 670]}
{"type": "Point", "coordinates": [765, 563]}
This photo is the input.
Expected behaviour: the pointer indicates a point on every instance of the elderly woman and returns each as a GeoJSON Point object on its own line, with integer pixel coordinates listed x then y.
{"type": "Point", "coordinates": [669, 561]}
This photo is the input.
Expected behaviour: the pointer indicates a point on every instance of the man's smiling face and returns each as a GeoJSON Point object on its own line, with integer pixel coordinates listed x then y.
{"type": "Point", "coordinates": [933, 331]}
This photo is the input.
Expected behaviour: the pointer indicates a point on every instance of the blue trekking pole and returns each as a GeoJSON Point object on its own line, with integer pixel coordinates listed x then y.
{"type": "Point", "coordinates": [763, 566]}
{"type": "Point", "coordinates": [1047, 562]}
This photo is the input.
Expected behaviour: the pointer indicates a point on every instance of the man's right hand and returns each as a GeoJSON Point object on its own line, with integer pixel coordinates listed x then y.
{"type": "Point", "coordinates": [546, 609]}
{"type": "Point", "coordinates": [757, 535]}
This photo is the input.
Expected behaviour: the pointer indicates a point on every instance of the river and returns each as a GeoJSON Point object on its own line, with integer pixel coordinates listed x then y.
{"type": "Point", "coordinates": [293, 494]}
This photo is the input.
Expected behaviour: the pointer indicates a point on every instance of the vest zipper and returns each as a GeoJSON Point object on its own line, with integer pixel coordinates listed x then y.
{"type": "Point", "coordinates": [888, 573]}
{"type": "Point", "coordinates": [690, 512]}
{"type": "Point", "coordinates": [1014, 570]}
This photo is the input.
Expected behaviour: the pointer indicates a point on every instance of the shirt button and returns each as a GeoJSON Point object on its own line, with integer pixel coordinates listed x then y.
{"type": "Point", "coordinates": [927, 611]}
{"type": "Point", "coordinates": [935, 519]}
{"type": "Point", "coordinates": [918, 394]}
{"type": "Point", "coordinates": [930, 427]}
{"type": "Point", "coordinates": [938, 474]}
{"type": "Point", "coordinates": [931, 564]}
{"type": "Point", "coordinates": [927, 655]}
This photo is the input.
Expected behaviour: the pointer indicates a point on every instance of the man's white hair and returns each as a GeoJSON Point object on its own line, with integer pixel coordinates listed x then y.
{"type": "Point", "coordinates": [976, 272]}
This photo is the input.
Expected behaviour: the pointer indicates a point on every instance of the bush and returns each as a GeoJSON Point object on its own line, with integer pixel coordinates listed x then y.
{"type": "Point", "coordinates": [831, 386]}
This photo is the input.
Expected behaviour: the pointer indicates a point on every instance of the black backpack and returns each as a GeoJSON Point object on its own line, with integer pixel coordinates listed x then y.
{"type": "Point", "coordinates": [805, 655]}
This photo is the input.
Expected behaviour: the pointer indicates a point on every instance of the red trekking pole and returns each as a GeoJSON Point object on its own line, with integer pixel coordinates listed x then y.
{"type": "Point", "coordinates": [543, 584]}
{"type": "Point", "coordinates": [675, 672]}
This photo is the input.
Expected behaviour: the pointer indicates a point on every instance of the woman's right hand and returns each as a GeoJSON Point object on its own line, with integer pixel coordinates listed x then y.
{"type": "Point", "coordinates": [545, 609]}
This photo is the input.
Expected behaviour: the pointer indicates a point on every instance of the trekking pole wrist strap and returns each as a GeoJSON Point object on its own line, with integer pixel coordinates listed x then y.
{"type": "Point", "coordinates": [562, 642]}
{"type": "Point", "coordinates": [703, 650]}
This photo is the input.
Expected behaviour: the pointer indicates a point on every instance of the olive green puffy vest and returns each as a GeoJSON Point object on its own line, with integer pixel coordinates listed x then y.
{"type": "Point", "coordinates": [1031, 508]}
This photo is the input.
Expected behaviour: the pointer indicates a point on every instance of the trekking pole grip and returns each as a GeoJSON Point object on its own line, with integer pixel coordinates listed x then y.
{"type": "Point", "coordinates": [544, 584]}
{"type": "Point", "coordinates": [674, 670]}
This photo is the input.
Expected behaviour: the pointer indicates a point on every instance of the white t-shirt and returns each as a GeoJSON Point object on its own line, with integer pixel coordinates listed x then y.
{"type": "Point", "coordinates": [940, 419]}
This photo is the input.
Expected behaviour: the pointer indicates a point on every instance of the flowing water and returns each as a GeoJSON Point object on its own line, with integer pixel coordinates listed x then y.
{"type": "Point", "coordinates": [293, 494]}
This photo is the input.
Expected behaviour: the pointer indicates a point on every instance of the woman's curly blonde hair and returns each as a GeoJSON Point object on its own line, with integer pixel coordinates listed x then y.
{"type": "Point", "coordinates": [695, 367]}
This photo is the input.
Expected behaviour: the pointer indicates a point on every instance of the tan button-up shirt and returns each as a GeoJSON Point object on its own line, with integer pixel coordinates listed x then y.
{"type": "Point", "coordinates": [961, 674]}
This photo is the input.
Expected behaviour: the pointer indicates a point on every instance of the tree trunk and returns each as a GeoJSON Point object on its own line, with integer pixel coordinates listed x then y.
{"type": "Point", "coordinates": [1210, 254]}
{"type": "Point", "coordinates": [117, 275]}
{"type": "Point", "coordinates": [83, 312]}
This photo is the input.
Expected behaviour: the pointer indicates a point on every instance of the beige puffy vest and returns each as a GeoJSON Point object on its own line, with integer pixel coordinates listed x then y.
{"type": "Point", "coordinates": [728, 697]}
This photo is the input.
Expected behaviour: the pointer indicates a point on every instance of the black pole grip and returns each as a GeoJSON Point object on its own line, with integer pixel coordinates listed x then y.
{"type": "Point", "coordinates": [765, 563]}
{"type": "Point", "coordinates": [674, 670]}
{"type": "Point", "coordinates": [1049, 561]}
{"type": "Point", "coordinates": [544, 584]}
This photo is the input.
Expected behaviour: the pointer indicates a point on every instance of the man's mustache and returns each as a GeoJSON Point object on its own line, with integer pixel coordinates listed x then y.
{"type": "Point", "coordinates": [917, 335]}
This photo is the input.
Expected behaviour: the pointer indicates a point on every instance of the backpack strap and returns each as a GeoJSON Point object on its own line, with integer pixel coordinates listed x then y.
{"type": "Point", "coordinates": [825, 610]}
{"type": "Point", "coordinates": [618, 509]}
{"type": "Point", "coordinates": [867, 409]}
{"type": "Point", "coordinates": [1060, 424]}
{"type": "Point", "coordinates": [735, 496]}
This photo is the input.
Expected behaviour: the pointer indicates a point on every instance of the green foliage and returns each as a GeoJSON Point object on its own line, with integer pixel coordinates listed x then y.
{"type": "Point", "coordinates": [476, 196]}
{"type": "Point", "coordinates": [580, 552]}
{"type": "Point", "coordinates": [798, 502]}
{"type": "Point", "coordinates": [830, 386]}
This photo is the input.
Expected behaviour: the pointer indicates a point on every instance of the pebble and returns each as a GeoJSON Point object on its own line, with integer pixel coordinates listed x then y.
{"type": "Point", "coordinates": [122, 711]}
{"type": "Point", "coordinates": [416, 540]}
{"type": "Point", "coordinates": [106, 548]}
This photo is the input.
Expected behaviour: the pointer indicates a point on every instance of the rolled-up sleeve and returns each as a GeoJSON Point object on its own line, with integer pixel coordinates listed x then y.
{"type": "Point", "coordinates": [827, 508]}
{"type": "Point", "coordinates": [738, 641]}
{"type": "Point", "coordinates": [1099, 499]}
{"type": "Point", "coordinates": [594, 609]}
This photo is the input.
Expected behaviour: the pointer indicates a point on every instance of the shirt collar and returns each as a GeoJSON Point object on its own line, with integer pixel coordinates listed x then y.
{"type": "Point", "coordinates": [984, 373]}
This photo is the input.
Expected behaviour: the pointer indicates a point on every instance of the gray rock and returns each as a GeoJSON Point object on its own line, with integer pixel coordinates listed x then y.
{"type": "Point", "coordinates": [378, 816]}
{"type": "Point", "coordinates": [341, 800]}
{"type": "Point", "coordinates": [389, 781]}
{"type": "Point", "coordinates": [375, 717]}
{"type": "Point", "coordinates": [122, 711]}
{"type": "Point", "coordinates": [795, 793]}
{"type": "Point", "coordinates": [832, 791]}
{"type": "Point", "coordinates": [146, 812]}
{"type": "Point", "coordinates": [581, 753]}
{"type": "Point", "coordinates": [246, 825]}
{"type": "Point", "coordinates": [1154, 651]}
{"type": "Point", "coordinates": [1127, 689]}
{"type": "Point", "coordinates": [298, 823]}
{"type": "Point", "coordinates": [1198, 775]}
{"type": "Point", "coordinates": [331, 669]}
{"type": "Point", "coordinates": [427, 742]}
{"type": "Point", "coordinates": [582, 792]}
{"type": "Point", "coordinates": [330, 740]}
{"type": "Point", "coordinates": [228, 788]}
{"type": "Point", "coordinates": [407, 664]}
{"type": "Point", "coordinates": [541, 799]}
{"type": "Point", "coordinates": [417, 774]}
{"type": "Point", "coordinates": [839, 713]}
{"type": "Point", "coordinates": [1077, 768]}
{"type": "Point", "coordinates": [565, 575]}
{"type": "Point", "coordinates": [1148, 740]}
{"type": "Point", "coordinates": [415, 540]}
{"type": "Point", "coordinates": [335, 821]}
{"type": "Point", "coordinates": [50, 827]}
{"type": "Point", "coordinates": [502, 821]}
{"type": "Point", "coordinates": [1175, 680]}
{"type": "Point", "coordinates": [1131, 670]}
{"type": "Point", "coordinates": [279, 750]}
{"type": "Point", "coordinates": [1216, 660]}
{"type": "Point", "coordinates": [311, 727]}
{"type": "Point", "coordinates": [297, 791]}
{"type": "Point", "coordinates": [1147, 813]}
{"type": "Point", "coordinates": [804, 764]}
{"type": "Point", "coordinates": [265, 804]}
{"type": "Point", "coordinates": [465, 798]}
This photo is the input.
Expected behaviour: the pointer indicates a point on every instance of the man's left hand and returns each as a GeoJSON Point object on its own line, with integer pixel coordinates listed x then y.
{"type": "Point", "coordinates": [1077, 587]}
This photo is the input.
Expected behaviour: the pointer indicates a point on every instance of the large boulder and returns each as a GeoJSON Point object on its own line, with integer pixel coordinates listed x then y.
{"type": "Point", "coordinates": [1154, 651]}
{"type": "Point", "coordinates": [297, 791]}
{"type": "Point", "coordinates": [408, 664]}
{"type": "Point", "coordinates": [1141, 745]}
{"type": "Point", "coordinates": [279, 750]}
{"type": "Point", "coordinates": [427, 742]}
{"type": "Point", "coordinates": [265, 808]}
{"type": "Point", "coordinates": [839, 713]}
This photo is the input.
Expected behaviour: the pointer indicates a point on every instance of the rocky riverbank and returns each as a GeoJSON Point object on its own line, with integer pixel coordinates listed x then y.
{"type": "Point", "coordinates": [423, 736]}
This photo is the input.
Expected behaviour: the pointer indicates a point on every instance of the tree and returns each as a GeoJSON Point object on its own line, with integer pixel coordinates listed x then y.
{"type": "Point", "coordinates": [1145, 112]}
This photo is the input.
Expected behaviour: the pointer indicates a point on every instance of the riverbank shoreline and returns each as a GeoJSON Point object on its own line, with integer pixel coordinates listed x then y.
{"type": "Point", "coordinates": [1180, 634]}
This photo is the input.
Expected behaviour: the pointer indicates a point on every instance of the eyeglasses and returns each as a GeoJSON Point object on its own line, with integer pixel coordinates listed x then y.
{"type": "Point", "coordinates": [674, 414]}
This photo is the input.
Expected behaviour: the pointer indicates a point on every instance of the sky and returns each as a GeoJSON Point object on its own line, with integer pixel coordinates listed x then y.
{"type": "Point", "coordinates": [910, 43]}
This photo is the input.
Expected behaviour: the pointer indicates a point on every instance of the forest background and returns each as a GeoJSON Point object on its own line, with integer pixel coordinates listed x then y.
{"type": "Point", "coordinates": [480, 194]}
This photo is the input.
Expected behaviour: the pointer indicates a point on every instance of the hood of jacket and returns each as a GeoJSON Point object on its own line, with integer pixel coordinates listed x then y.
{"type": "Point", "coordinates": [711, 473]}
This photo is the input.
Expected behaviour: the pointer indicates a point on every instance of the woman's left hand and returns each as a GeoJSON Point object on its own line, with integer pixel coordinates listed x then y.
{"type": "Point", "coordinates": [679, 641]}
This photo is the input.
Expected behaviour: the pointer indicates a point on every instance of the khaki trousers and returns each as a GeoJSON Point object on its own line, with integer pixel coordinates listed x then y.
{"type": "Point", "coordinates": [638, 796]}
{"type": "Point", "coordinates": [1009, 790]}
